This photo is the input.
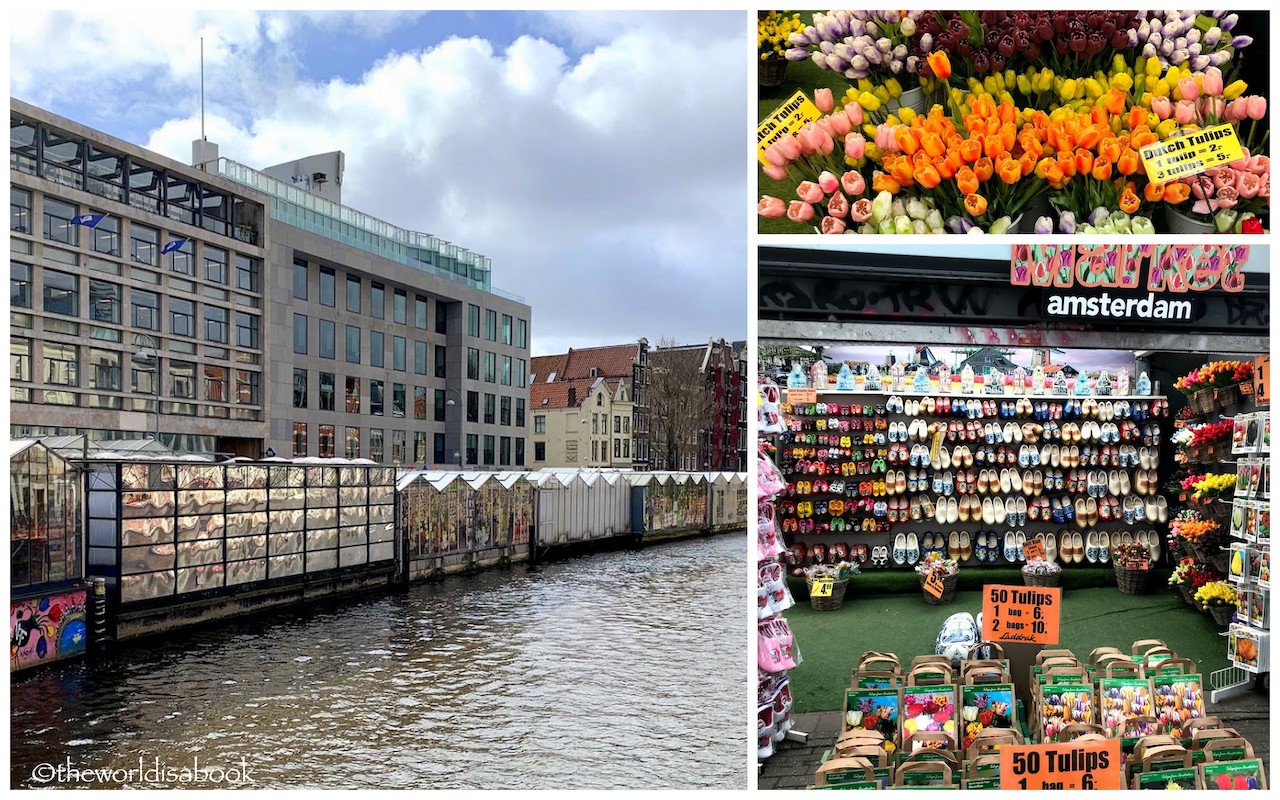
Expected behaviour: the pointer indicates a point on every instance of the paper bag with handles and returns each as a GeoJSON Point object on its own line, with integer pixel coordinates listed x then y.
{"type": "Point", "coordinates": [843, 771]}
{"type": "Point", "coordinates": [935, 774]}
{"type": "Point", "coordinates": [982, 772]}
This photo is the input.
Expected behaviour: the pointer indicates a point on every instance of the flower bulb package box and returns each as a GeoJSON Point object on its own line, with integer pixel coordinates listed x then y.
{"type": "Point", "coordinates": [1178, 699]}
{"type": "Point", "coordinates": [875, 710]}
{"type": "Point", "coordinates": [1181, 778]}
{"type": "Point", "coordinates": [986, 705]}
{"type": "Point", "coordinates": [1247, 774]}
{"type": "Point", "coordinates": [930, 709]}
{"type": "Point", "coordinates": [1121, 698]}
{"type": "Point", "coordinates": [1063, 704]}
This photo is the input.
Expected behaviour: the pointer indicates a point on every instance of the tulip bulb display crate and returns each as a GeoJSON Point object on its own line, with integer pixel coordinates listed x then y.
{"type": "Point", "coordinates": [1028, 464]}
{"type": "Point", "coordinates": [1249, 566]}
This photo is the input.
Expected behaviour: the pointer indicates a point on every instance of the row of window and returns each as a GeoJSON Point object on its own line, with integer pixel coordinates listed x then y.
{"type": "Point", "coordinates": [599, 424]}
{"type": "Point", "coordinates": [61, 294]}
{"type": "Point", "coordinates": [70, 160]}
{"type": "Point", "coordinates": [325, 346]}
{"type": "Point", "coordinates": [63, 223]}
{"type": "Point", "coordinates": [375, 301]}
{"type": "Point", "coordinates": [98, 368]}
{"type": "Point", "coordinates": [497, 410]}
{"type": "Point", "coordinates": [512, 372]}
{"type": "Point", "coordinates": [502, 451]}
{"type": "Point", "coordinates": [521, 336]}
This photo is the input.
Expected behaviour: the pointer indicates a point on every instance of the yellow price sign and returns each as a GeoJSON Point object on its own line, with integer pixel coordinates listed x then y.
{"type": "Point", "coordinates": [799, 397]}
{"type": "Point", "coordinates": [1191, 154]}
{"type": "Point", "coordinates": [786, 119]}
{"type": "Point", "coordinates": [822, 587]}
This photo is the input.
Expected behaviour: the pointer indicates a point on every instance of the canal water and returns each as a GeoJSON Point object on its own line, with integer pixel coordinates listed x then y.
{"type": "Point", "coordinates": [615, 670]}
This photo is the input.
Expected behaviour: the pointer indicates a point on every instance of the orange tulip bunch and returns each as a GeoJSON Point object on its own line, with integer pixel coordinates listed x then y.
{"type": "Point", "coordinates": [983, 167]}
{"type": "Point", "coordinates": [1090, 158]}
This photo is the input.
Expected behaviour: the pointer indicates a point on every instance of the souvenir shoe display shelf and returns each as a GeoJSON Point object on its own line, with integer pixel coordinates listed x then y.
{"type": "Point", "coordinates": [1249, 562]}
{"type": "Point", "coordinates": [887, 477]}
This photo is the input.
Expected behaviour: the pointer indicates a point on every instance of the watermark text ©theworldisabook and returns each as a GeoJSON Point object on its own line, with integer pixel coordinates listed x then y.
{"type": "Point", "coordinates": [145, 773]}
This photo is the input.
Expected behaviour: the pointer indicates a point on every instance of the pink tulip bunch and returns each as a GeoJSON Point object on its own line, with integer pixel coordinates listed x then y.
{"type": "Point", "coordinates": [1232, 185]}
{"type": "Point", "coordinates": [813, 149]}
{"type": "Point", "coordinates": [837, 200]}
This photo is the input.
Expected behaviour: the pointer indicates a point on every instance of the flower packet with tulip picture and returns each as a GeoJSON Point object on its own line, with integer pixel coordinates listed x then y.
{"type": "Point", "coordinates": [1119, 699]}
{"type": "Point", "coordinates": [986, 706]}
{"type": "Point", "coordinates": [875, 710]}
{"type": "Point", "coordinates": [1178, 700]}
{"type": "Point", "coordinates": [929, 709]}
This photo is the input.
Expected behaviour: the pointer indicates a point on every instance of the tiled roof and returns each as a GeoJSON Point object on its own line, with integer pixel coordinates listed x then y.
{"type": "Point", "coordinates": [612, 361]}
{"type": "Point", "coordinates": [556, 394]}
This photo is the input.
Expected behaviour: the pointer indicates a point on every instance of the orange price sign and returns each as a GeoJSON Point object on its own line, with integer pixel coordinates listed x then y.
{"type": "Point", "coordinates": [1033, 549]}
{"type": "Point", "coordinates": [1021, 614]}
{"type": "Point", "coordinates": [1072, 766]}
{"type": "Point", "coordinates": [933, 583]}
{"type": "Point", "coordinates": [799, 397]}
{"type": "Point", "coordinates": [1262, 379]}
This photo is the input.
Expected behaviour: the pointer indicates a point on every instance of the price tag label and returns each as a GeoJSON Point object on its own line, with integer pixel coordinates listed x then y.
{"type": "Point", "coordinates": [1021, 614]}
{"type": "Point", "coordinates": [1033, 548]}
{"type": "Point", "coordinates": [799, 397]}
{"type": "Point", "coordinates": [933, 584]}
{"type": "Point", "coordinates": [1191, 154]}
{"type": "Point", "coordinates": [822, 587]}
{"type": "Point", "coordinates": [786, 119]}
{"type": "Point", "coordinates": [1067, 766]}
{"type": "Point", "coordinates": [1262, 379]}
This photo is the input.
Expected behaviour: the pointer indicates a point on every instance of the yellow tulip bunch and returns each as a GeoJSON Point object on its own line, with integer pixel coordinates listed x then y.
{"type": "Point", "coordinates": [1213, 485]}
{"type": "Point", "coordinates": [872, 96]}
{"type": "Point", "coordinates": [773, 32]}
{"type": "Point", "coordinates": [1216, 593]}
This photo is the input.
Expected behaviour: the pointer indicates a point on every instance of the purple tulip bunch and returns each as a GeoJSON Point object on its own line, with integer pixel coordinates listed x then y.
{"type": "Point", "coordinates": [858, 44]}
{"type": "Point", "coordinates": [1174, 39]}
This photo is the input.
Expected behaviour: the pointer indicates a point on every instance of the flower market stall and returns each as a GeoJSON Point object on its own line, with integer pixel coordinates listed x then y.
{"type": "Point", "coordinates": [1012, 121]}
{"type": "Point", "coordinates": [1026, 460]}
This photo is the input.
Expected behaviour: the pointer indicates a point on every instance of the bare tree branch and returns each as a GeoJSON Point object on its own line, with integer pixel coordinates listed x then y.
{"type": "Point", "coordinates": [680, 404]}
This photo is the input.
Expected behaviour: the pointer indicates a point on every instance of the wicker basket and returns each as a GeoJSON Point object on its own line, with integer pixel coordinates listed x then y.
{"type": "Point", "coordinates": [828, 603]}
{"type": "Point", "coordinates": [1187, 598]}
{"type": "Point", "coordinates": [1046, 579]}
{"type": "Point", "coordinates": [1219, 561]}
{"type": "Point", "coordinates": [1205, 400]}
{"type": "Point", "coordinates": [1222, 614]}
{"type": "Point", "coordinates": [1131, 581]}
{"type": "Point", "coordinates": [1219, 451]}
{"type": "Point", "coordinates": [772, 72]}
{"type": "Point", "coordinates": [1230, 395]}
{"type": "Point", "coordinates": [949, 584]}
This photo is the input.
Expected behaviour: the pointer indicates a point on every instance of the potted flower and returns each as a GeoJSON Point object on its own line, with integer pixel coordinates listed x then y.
{"type": "Point", "coordinates": [1181, 580]}
{"type": "Point", "coordinates": [1132, 564]}
{"type": "Point", "coordinates": [773, 30]}
{"type": "Point", "coordinates": [1218, 598]}
{"type": "Point", "coordinates": [839, 575]}
{"type": "Point", "coordinates": [948, 569]}
{"type": "Point", "coordinates": [1041, 572]}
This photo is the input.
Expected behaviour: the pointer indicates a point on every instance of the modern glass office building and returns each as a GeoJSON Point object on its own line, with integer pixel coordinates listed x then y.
{"type": "Point", "coordinates": [233, 312]}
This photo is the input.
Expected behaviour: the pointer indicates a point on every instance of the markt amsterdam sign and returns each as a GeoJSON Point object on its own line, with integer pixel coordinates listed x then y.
{"type": "Point", "coordinates": [1160, 289]}
{"type": "Point", "coordinates": [1128, 283]}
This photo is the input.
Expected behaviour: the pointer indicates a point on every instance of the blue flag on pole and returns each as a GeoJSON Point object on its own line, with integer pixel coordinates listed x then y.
{"type": "Point", "coordinates": [176, 244]}
{"type": "Point", "coordinates": [88, 220]}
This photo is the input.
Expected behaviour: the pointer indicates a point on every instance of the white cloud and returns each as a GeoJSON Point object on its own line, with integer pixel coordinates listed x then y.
{"type": "Point", "coordinates": [608, 189]}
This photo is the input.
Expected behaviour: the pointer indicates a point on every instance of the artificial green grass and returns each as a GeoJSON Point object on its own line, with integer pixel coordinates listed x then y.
{"type": "Point", "coordinates": [806, 76]}
{"type": "Point", "coordinates": [903, 624]}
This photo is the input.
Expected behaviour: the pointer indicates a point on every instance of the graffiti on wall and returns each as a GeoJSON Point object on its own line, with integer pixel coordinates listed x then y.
{"type": "Point", "coordinates": [461, 519]}
{"type": "Point", "coordinates": [46, 629]}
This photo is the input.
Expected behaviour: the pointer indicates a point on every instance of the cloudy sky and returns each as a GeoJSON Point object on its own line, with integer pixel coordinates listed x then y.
{"type": "Point", "coordinates": [597, 158]}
